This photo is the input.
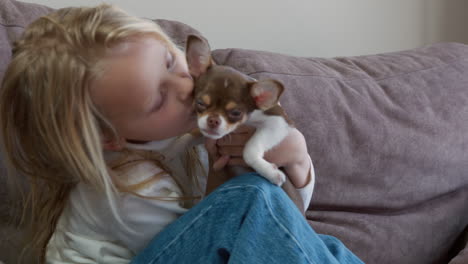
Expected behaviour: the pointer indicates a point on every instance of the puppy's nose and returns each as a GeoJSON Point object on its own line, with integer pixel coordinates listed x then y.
{"type": "Point", "coordinates": [213, 122]}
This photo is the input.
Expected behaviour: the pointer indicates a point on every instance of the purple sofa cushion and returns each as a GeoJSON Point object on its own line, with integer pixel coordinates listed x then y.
{"type": "Point", "coordinates": [388, 135]}
{"type": "Point", "coordinates": [14, 16]}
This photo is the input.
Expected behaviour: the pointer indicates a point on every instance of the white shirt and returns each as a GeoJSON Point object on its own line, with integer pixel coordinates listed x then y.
{"type": "Point", "coordinates": [88, 232]}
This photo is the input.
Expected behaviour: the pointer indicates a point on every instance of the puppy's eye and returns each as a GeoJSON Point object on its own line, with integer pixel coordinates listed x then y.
{"type": "Point", "coordinates": [200, 105]}
{"type": "Point", "coordinates": [235, 113]}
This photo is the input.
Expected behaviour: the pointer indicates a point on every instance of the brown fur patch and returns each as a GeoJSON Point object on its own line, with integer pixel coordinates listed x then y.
{"type": "Point", "coordinates": [231, 105]}
{"type": "Point", "coordinates": [279, 111]}
{"type": "Point", "coordinates": [206, 99]}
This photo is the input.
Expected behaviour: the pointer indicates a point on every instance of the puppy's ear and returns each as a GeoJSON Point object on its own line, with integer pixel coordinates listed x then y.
{"type": "Point", "coordinates": [198, 55]}
{"type": "Point", "coordinates": [266, 93]}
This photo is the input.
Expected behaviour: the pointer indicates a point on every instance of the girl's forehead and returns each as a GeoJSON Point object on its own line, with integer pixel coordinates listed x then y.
{"type": "Point", "coordinates": [134, 44]}
{"type": "Point", "coordinates": [130, 76]}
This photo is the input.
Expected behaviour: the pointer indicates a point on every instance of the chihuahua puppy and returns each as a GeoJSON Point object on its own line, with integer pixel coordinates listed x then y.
{"type": "Point", "coordinates": [226, 98]}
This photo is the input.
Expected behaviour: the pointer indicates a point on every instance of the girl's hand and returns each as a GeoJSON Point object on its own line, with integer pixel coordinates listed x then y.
{"type": "Point", "coordinates": [231, 147]}
{"type": "Point", "coordinates": [291, 153]}
{"type": "Point", "coordinates": [218, 172]}
{"type": "Point", "coordinates": [225, 154]}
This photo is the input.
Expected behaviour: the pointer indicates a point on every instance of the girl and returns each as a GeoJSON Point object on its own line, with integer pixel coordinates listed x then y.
{"type": "Point", "coordinates": [95, 106]}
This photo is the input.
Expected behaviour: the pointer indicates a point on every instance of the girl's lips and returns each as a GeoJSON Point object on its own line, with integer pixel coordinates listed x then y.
{"type": "Point", "coordinates": [187, 75]}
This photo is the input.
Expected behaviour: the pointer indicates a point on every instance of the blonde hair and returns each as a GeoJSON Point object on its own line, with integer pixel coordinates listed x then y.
{"type": "Point", "coordinates": [51, 131]}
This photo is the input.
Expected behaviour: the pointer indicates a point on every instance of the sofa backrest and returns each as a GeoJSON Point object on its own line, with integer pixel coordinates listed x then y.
{"type": "Point", "coordinates": [388, 135]}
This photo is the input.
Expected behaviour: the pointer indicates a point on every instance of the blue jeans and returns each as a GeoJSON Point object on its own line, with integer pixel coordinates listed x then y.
{"type": "Point", "coordinates": [245, 220]}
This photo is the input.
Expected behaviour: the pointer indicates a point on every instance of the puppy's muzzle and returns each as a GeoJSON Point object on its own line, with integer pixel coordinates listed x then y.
{"type": "Point", "coordinates": [213, 121]}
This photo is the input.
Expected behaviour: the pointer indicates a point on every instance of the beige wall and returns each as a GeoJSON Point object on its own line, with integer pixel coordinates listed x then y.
{"type": "Point", "coordinates": [321, 28]}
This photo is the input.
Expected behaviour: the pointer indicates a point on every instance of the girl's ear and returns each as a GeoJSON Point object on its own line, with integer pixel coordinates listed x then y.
{"type": "Point", "coordinates": [198, 55]}
{"type": "Point", "coordinates": [266, 93]}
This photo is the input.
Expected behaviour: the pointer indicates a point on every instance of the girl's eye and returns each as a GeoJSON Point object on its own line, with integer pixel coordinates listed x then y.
{"type": "Point", "coordinates": [170, 61]}
{"type": "Point", "coordinates": [160, 103]}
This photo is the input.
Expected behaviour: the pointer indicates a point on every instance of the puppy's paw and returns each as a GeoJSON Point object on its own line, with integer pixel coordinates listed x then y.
{"type": "Point", "coordinates": [268, 170]}
{"type": "Point", "coordinates": [274, 175]}
{"type": "Point", "coordinates": [280, 178]}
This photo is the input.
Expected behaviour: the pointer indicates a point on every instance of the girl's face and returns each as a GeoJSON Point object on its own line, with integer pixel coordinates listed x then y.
{"type": "Point", "coordinates": [146, 91]}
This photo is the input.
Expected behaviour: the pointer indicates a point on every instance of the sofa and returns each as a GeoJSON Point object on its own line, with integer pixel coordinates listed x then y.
{"type": "Point", "coordinates": [388, 134]}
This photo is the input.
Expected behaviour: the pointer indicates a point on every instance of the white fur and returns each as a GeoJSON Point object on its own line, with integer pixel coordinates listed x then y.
{"type": "Point", "coordinates": [271, 130]}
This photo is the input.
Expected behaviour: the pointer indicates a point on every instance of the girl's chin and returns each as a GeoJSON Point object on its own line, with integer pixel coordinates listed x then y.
{"type": "Point", "coordinates": [193, 121]}
{"type": "Point", "coordinates": [192, 125]}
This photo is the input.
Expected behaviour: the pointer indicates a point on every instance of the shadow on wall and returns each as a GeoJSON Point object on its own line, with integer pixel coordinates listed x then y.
{"type": "Point", "coordinates": [457, 21]}
{"type": "Point", "coordinates": [446, 20]}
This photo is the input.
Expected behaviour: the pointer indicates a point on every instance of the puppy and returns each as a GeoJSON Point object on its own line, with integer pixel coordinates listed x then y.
{"type": "Point", "coordinates": [226, 98]}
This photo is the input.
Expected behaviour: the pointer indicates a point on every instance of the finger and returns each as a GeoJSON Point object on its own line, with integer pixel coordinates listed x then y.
{"type": "Point", "coordinates": [237, 162]}
{"type": "Point", "coordinates": [233, 151]}
{"type": "Point", "coordinates": [210, 145]}
{"type": "Point", "coordinates": [233, 140]}
{"type": "Point", "coordinates": [221, 162]}
{"type": "Point", "coordinates": [242, 129]}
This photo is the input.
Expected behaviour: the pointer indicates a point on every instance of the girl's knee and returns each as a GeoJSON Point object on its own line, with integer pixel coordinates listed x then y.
{"type": "Point", "coordinates": [250, 179]}
{"type": "Point", "coordinates": [252, 187]}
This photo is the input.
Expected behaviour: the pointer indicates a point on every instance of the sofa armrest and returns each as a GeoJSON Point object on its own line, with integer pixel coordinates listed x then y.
{"type": "Point", "coordinates": [462, 256]}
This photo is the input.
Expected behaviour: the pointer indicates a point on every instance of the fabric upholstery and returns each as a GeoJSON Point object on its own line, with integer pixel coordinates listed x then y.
{"type": "Point", "coordinates": [461, 249]}
{"type": "Point", "coordinates": [388, 135]}
{"type": "Point", "coordinates": [14, 16]}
